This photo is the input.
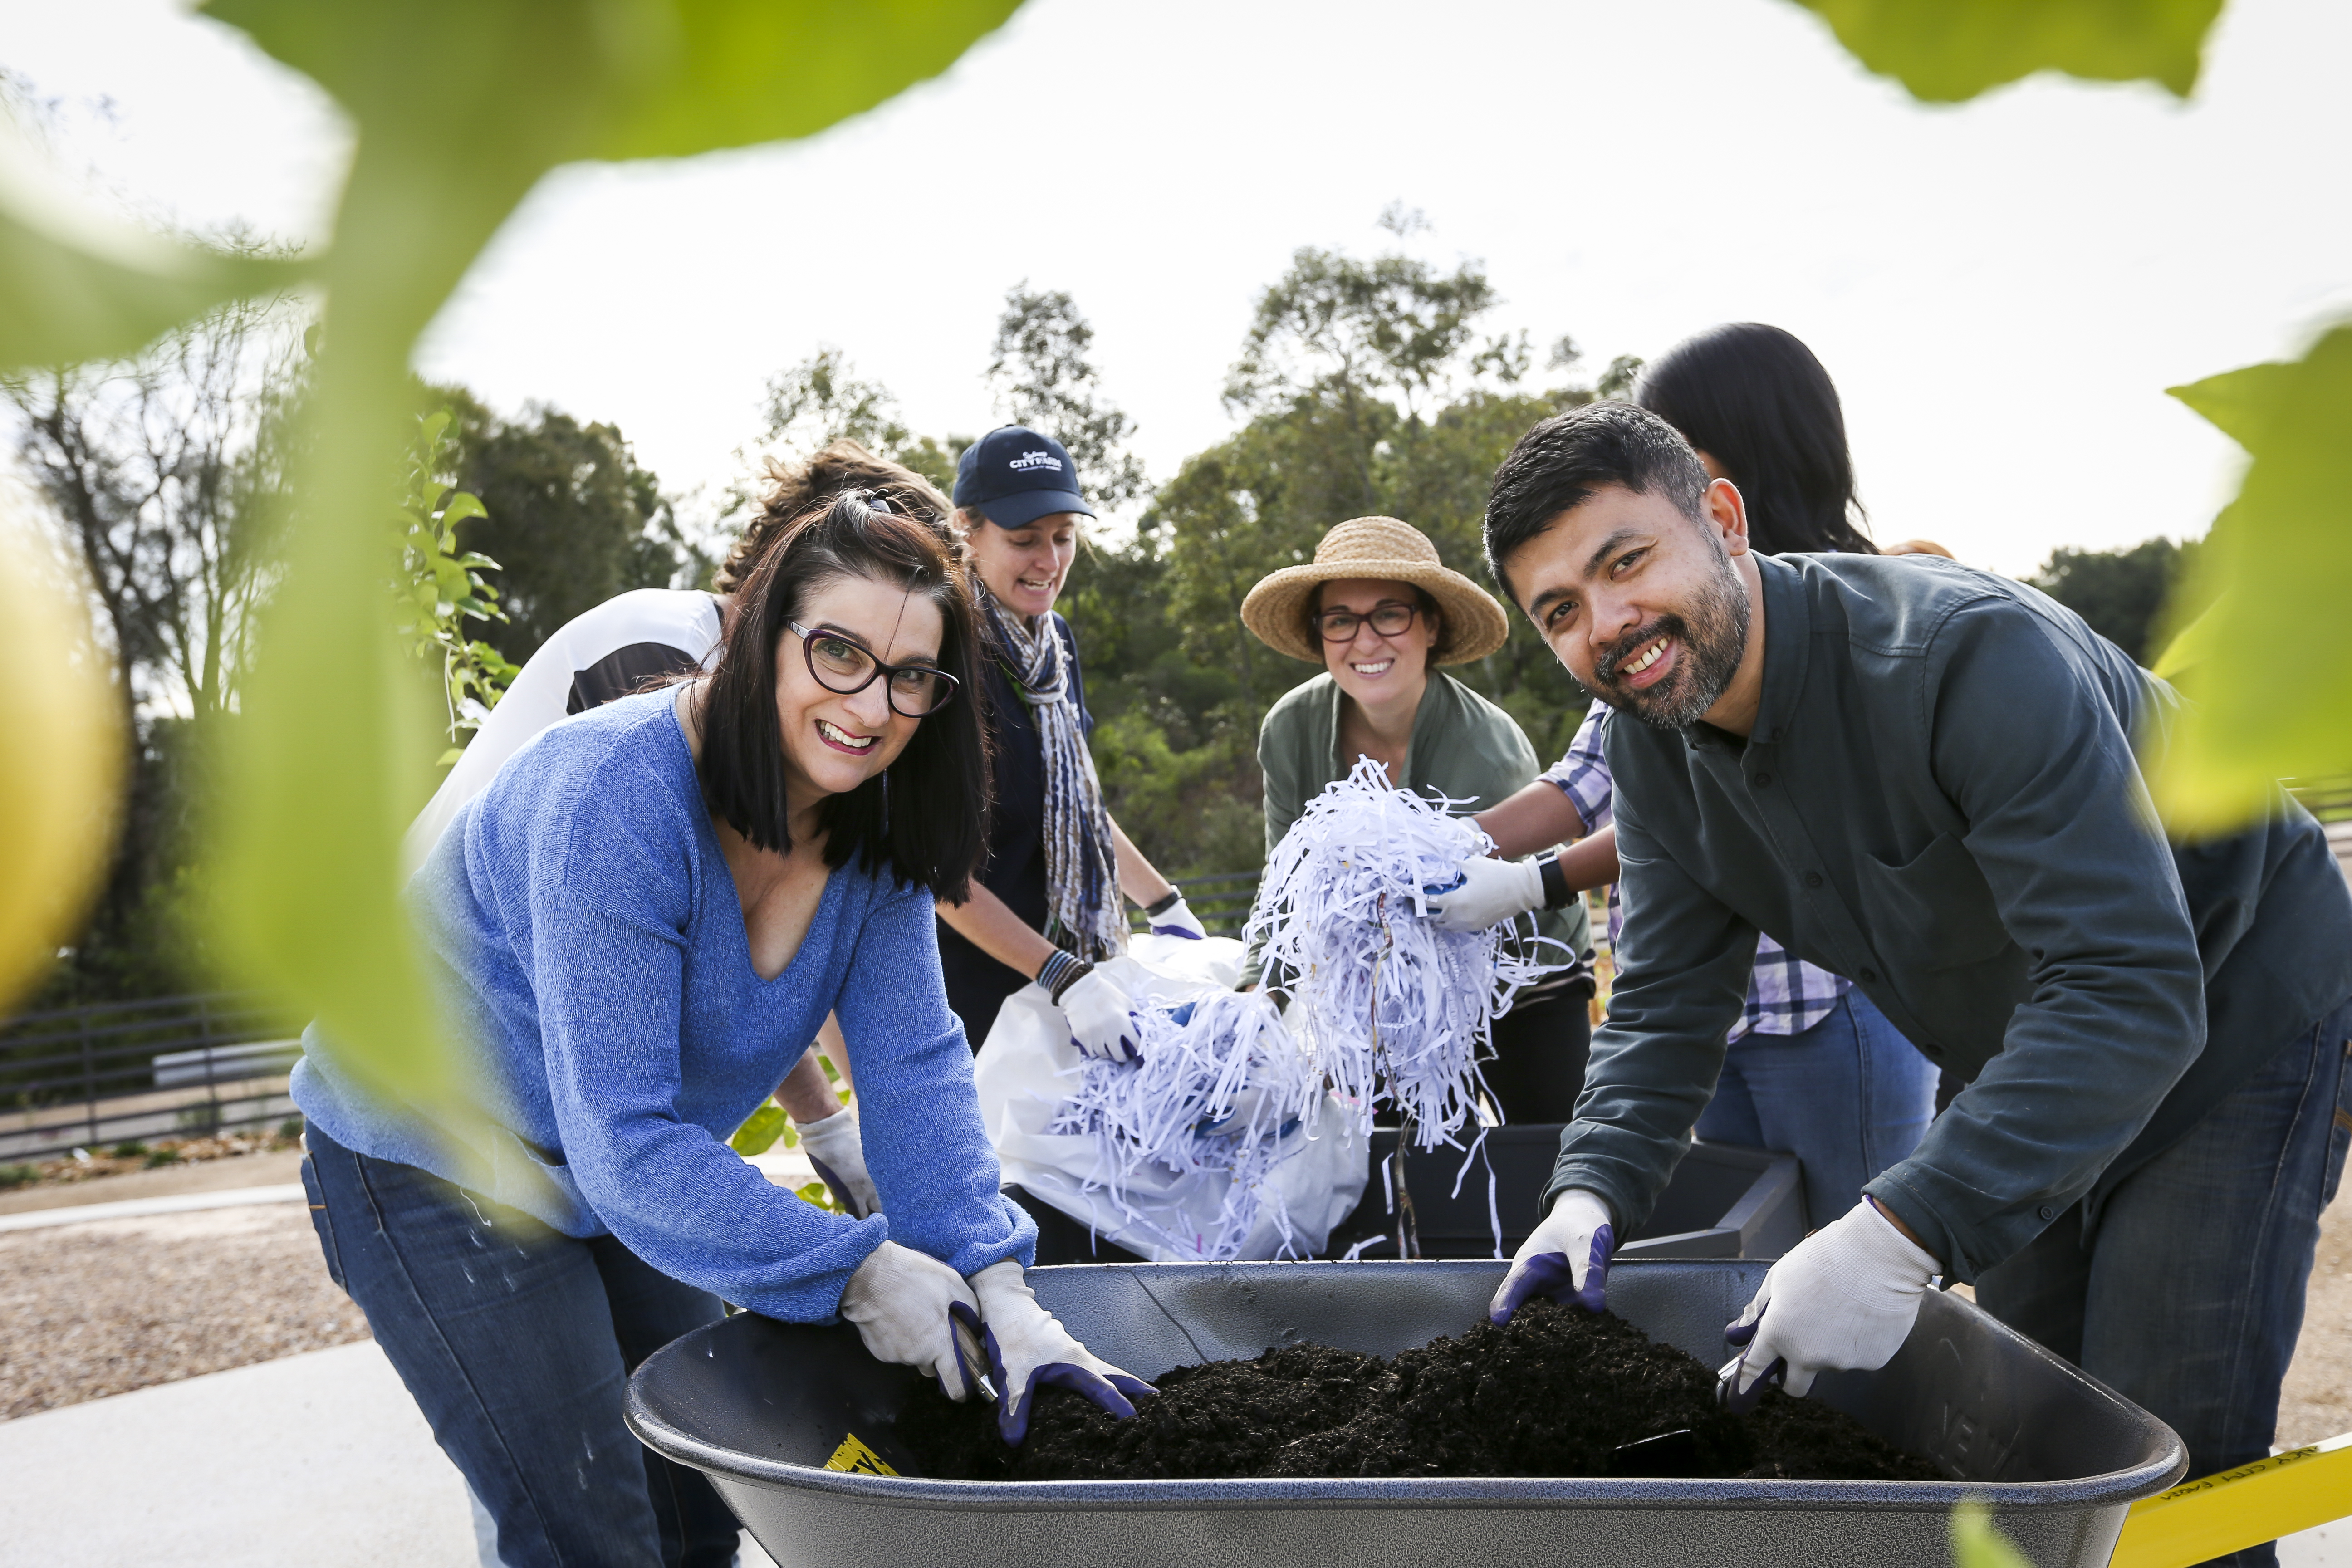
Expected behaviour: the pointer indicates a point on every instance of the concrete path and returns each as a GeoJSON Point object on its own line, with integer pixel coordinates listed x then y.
{"type": "Point", "coordinates": [141, 1208]}
{"type": "Point", "coordinates": [318, 1459]}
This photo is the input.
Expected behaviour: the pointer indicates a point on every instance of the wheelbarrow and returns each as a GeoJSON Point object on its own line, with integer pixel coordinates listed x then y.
{"type": "Point", "coordinates": [796, 1426]}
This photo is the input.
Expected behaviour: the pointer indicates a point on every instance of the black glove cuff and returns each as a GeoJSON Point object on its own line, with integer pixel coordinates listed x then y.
{"type": "Point", "coordinates": [1161, 906]}
{"type": "Point", "coordinates": [1557, 894]}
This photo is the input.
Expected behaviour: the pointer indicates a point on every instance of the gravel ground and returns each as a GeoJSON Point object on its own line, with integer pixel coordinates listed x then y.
{"type": "Point", "coordinates": [91, 1310]}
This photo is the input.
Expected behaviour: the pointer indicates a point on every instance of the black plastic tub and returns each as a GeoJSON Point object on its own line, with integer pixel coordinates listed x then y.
{"type": "Point", "coordinates": [763, 1408]}
{"type": "Point", "coordinates": [1723, 1201]}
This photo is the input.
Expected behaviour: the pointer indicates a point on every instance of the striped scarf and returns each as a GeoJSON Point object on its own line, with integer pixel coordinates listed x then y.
{"type": "Point", "coordinates": [1084, 911]}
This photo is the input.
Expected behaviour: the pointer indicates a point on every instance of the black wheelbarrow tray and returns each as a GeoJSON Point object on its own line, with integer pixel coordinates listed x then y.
{"type": "Point", "coordinates": [766, 1407]}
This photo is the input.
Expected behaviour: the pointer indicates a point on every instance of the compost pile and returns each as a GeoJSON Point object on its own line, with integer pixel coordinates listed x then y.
{"type": "Point", "coordinates": [1559, 1392]}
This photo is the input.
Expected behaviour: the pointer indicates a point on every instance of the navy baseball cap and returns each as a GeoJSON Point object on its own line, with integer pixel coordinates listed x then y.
{"type": "Point", "coordinates": [1013, 476]}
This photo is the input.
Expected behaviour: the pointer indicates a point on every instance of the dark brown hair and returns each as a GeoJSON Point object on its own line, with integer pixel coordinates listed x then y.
{"type": "Point", "coordinates": [841, 466]}
{"type": "Point", "coordinates": [924, 815]}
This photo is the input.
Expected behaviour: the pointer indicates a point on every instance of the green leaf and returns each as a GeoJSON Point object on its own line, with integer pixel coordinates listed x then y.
{"type": "Point", "coordinates": [1975, 1544]}
{"type": "Point", "coordinates": [462, 506]}
{"type": "Point", "coordinates": [461, 106]}
{"type": "Point", "coordinates": [821, 1196]}
{"type": "Point", "coordinates": [1945, 51]}
{"type": "Point", "coordinates": [759, 1130]}
{"type": "Point", "coordinates": [2277, 573]}
{"type": "Point", "coordinates": [77, 284]}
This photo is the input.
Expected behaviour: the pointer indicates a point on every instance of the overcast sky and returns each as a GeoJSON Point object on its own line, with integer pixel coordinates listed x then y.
{"type": "Point", "coordinates": [2002, 291]}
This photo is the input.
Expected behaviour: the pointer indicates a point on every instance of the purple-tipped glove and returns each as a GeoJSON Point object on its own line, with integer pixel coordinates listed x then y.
{"type": "Point", "coordinates": [1566, 1258]}
{"type": "Point", "coordinates": [834, 1149]}
{"type": "Point", "coordinates": [911, 1309]}
{"type": "Point", "coordinates": [1097, 1011]}
{"type": "Point", "coordinates": [1178, 919]}
{"type": "Point", "coordinates": [1844, 1298]}
{"type": "Point", "coordinates": [1028, 1349]}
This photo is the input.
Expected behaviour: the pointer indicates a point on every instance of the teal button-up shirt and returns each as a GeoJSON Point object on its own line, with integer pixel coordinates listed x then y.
{"type": "Point", "coordinates": [1940, 801]}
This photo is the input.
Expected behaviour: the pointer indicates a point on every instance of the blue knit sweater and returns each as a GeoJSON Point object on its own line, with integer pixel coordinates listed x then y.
{"type": "Point", "coordinates": [593, 950]}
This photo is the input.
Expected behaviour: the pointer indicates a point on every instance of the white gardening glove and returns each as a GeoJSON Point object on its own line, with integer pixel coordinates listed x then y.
{"type": "Point", "coordinates": [1842, 1299]}
{"type": "Point", "coordinates": [1097, 1011]}
{"type": "Point", "coordinates": [835, 1150]}
{"type": "Point", "coordinates": [914, 1310]}
{"type": "Point", "coordinates": [1491, 892]}
{"type": "Point", "coordinates": [1177, 920]}
{"type": "Point", "coordinates": [1570, 1249]}
{"type": "Point", "coordinates": [1028, 1349]}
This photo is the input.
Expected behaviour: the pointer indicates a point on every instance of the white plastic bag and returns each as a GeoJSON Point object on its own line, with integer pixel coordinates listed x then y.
{"type": "Point", "coordinates": [1028, 1069]}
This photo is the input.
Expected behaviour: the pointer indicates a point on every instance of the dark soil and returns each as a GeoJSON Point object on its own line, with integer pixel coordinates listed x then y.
{"type": "Point", "coordinates": [1557, 1392]}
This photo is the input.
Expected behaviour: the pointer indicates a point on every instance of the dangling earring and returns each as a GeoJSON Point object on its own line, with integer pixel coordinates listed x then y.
{"type": "Point", "coordinates": [886, 803]}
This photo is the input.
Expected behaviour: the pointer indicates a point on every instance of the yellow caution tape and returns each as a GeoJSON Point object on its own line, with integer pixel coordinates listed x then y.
{"type": "Point", "coordinates": [2216, 1515]}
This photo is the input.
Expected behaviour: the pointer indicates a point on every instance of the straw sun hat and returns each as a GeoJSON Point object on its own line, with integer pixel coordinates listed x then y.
{"type": "Point", "coordinates": [1381, 547]}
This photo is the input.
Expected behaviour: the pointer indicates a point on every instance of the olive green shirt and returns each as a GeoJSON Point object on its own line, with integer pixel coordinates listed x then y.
{"type": "Point", "coordinates": [1463, 749]}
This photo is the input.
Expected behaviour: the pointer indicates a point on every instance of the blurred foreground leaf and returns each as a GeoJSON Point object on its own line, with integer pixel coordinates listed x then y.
{"type": "Point", "coordinates": [60, 763]}
{"type": "Point", "coordinates": [1945, 51]}
{"type": "Point", "coordinates": [1976, 1543]}
{"type": "Point", "coordinates": [2277, 571]}
{"type": "Point", "coordinates": [79, 284]}
{"type": "Point", "coordinates": [461, 105]}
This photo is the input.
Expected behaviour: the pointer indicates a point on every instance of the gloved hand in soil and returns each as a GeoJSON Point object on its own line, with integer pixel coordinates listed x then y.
{"type": "Point", "coordinates": [1097, 1010]}
{"type": "Point", "coordinates": [1842, 1299]}
{"type": "Point", "coordinates": [913, 1310]}
{"type": "Point", "coordinates": [1566, 1257]}
{"type": "Point", "coordinates": [834, 1149]}
{"type": "Point", "coordinates": [1491, 891]}
{"type": "Point", "coordinates": [1028, 1349]}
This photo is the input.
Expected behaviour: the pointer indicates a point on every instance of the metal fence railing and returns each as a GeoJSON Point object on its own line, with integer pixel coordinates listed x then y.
{"type": "Point", "coordinates": [122, 1071]}
{"type": "Point", "coordinates": [2330, 800]}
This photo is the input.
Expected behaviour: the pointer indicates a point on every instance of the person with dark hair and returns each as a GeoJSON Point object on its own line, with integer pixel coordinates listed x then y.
{"type": "Point", "coordinates": [1377, 609]}
{"type": "Point", "coordinates": [637, 926]}
{"type": "Point", "coordinates": [1814, 1068]}
{"type": "Point", "coordinates": [1049, 901]}
{"type": "Point", "coordinates": [1761, 412]}
{"type": "Point", "coordinates": [1922, 776]}
{"type": "Point", "coordinates": [651, 636]}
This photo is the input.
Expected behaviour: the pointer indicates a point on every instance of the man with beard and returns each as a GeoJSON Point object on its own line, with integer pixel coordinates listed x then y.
{"type": "Point", "coordinates": [1921, 776]}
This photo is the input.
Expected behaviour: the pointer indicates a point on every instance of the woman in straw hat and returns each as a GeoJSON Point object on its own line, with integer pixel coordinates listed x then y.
{"type": "Point", "coordinates": [1378, 610]}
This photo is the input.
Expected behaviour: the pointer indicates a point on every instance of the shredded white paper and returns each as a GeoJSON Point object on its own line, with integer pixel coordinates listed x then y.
{"type": "Point", "coordinates": [1386, 1007]}
{"type": "Point", "coordinates": [1219, 1086]}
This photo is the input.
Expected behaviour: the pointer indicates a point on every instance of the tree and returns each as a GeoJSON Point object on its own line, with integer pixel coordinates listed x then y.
{"type": "Point", "coordinates": [2120, 591]}
{"type": "Point", "coordinates": [822, 400]}
{"type": "Point", "coordinates": [1367, 389]}
{"type": "Point", "coordinates": [165, 471]}
{"type": "Point", "coordinates": [1041, 375]}
{"type": "Point", "coordinates": [571, 519]}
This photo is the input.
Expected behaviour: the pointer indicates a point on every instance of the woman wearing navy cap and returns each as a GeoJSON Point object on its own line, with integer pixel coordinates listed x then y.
{"type": "Point", "coordinates": [1050, 900]}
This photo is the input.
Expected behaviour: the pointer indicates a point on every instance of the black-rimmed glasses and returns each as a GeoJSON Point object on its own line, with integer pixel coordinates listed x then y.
{"type": "Point", "coordinates": [1388, 618]}
{"type": "Point", "coordinates": [843, 666]}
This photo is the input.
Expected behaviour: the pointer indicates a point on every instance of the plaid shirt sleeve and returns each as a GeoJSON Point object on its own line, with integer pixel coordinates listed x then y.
{"type": "Point", "coordinates": [1583, 774]}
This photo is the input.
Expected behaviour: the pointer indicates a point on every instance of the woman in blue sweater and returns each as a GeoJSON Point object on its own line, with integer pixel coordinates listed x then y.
{"type": "Point", "coordinates": [640, 924]}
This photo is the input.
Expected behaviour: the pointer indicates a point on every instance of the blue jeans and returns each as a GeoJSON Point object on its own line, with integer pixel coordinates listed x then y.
{"type": "Point", "coordinates": [1848, 1097]}
{"type": "Point", "coordinates": [2187, 1297]}
{"type": "Point", "coordinates": [516, 1341]}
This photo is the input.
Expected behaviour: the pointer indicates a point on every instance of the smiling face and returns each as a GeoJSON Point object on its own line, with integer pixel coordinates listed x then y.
{"type": "Point", "coordinates": [1378, 669]}
{"type": "Point", "coordinates": [834, 741]}
{"type": "Point", "coordinates": [1025, 567]}
{"type": "Point", "coordinates": [1651, 610]}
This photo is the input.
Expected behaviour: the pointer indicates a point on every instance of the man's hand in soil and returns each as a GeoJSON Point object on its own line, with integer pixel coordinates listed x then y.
{"type": "Point", "coordinates": [1028, 1349]}
{"type": "Point", "coordinates": [1567, 1259]}
{"type": "Point", "coordinates": [1844, 1298]}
